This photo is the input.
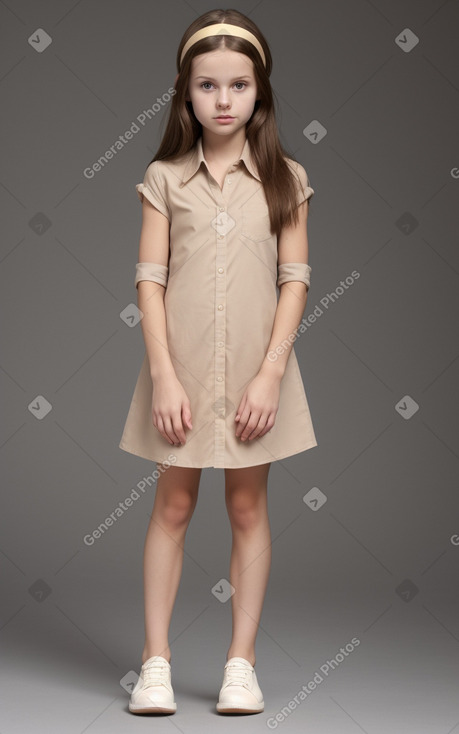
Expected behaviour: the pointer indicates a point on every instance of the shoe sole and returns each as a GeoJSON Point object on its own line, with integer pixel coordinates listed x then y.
{"type": "Point", "coordinates": [225, 709]}
{"type": "Point", "coordinates": [153, 709]}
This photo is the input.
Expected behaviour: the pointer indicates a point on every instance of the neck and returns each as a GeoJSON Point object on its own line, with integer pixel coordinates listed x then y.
{"type": "Point", "coordinates": [222, 148]}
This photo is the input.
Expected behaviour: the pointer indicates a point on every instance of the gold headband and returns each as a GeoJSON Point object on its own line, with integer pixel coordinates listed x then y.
{"type": "Point", "coordinates": [223, 29]}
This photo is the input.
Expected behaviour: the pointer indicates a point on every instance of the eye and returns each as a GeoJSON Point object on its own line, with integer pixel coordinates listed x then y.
{"type": "Point", "coordinates": [244, 84]}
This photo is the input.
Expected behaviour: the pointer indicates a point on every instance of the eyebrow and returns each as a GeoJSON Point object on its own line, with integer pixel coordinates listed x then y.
{"type": "Point", "coordinates": [213, 80]}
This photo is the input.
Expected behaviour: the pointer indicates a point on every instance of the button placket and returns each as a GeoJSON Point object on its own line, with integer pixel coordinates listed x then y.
{"type": "Point", "coordinates": [222, 224]}
{"type": "Point", "coordinates": [220, 333]}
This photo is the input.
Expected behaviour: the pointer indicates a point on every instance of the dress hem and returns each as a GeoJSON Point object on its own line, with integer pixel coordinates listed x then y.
{"type": "Point", "coordinates": [310, 445]}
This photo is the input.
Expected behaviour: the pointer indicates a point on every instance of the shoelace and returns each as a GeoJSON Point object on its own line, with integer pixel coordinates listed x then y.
{"type": "Point", "coordinates": [238, 676]}
{"type": "Point", "coordinates": [155, 674]}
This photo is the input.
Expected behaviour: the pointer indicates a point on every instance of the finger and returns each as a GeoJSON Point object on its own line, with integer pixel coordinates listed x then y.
{"type": "Point", "coordinates": [250, 426]}
{"type": "Point", "coordinates": [260, 427]}
{"type": "Point", "coordinates": [186, 413]}
{"type": "Point", "coordinates": [269, 424]}
{"type": "Point", "coordinates": [162, 430]}
{"type": "Point", "coordinates": [240, 409]}
{"type": "Point", "coordinates": [179, 429]}
{"type": "Point", "coordinates": [244, 417]}
{"type": "Point", "coordinates": [170, 430]}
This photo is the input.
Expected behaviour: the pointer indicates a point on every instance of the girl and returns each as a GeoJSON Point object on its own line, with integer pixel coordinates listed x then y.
{"type": "Point", "coordinates": [224, 213]}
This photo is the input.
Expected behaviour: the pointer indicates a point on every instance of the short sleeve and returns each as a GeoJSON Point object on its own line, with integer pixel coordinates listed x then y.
{"type": "Point", "coordinates": [151, 271]}
{"type": "Point", "coordinates": [153, 189]}
{"type": "Point", "coordinates": [294, 271]}
{"type": "Point", "coordinates": [305, 190]}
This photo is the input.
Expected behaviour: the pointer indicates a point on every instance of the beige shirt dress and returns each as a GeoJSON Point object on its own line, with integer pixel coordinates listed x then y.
{"type": "Point", "coordinates": [220, 303]}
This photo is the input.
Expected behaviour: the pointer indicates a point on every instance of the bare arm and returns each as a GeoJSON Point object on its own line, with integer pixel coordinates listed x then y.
{"type": "Point", "coordinates": [171, 410]}
{"type": "Point", "coordinates": [257, 410]}
{"type": "Point", "coordinates": [292, 248]}
{"type": "Point", "coordinates": [154, 248]}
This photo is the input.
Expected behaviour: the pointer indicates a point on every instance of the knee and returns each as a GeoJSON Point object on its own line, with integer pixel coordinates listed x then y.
{"type": "Point", "coordinates": [177, 511]}
{"type": "Point", "coordinates": [244, 511]}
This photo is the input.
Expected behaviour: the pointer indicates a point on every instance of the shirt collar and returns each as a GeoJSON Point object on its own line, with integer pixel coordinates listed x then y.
{"type": "Point", "coordinates": [196, 157]}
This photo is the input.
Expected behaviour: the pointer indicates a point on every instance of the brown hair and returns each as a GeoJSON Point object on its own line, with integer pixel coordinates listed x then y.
{"type": "Point", "coordinates": [183, 129]}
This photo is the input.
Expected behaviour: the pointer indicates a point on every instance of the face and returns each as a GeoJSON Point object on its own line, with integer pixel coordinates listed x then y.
{"type": "Point", "coordinates": [222, 82]}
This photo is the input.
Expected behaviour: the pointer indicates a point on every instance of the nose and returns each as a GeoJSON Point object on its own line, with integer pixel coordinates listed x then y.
{"type": "Point", "coordinates": [223, 99]}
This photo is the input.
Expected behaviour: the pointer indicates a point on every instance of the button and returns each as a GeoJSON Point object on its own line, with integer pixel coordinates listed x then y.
{"type": "Point", "coordinates": [219, 344]}
{"type": "Point", "coordinates": [220, 307]}
{"type": "Point", "coordinates": [219, 378]}
{"type": "Point", "coordinates": [228, 180]}
{"type": "Point", "coordinates": [222, 208]}
{"type": "Point", "coordinates": [221, 236]}
{"type": "Point", "coordinates": [220, 270]}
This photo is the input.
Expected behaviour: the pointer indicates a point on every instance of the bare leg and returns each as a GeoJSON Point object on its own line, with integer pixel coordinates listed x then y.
{"type": "Point", "coordinates": [175, 500]}
{"type": "Point", "coordinates": [247, 506]}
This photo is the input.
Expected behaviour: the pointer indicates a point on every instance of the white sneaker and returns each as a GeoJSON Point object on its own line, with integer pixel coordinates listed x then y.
{"type": "Point", "coordinates": [240, 692]}
{"type": "Point", "coordinates": [153, 693]}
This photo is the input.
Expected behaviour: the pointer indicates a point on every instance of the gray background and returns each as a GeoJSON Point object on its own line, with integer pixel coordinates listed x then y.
{"type": "Point", "coordinates": [378, 560]}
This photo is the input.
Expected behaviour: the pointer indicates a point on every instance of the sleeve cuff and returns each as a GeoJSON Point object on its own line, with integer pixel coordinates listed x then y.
{"type": "Point", "coordinates": [151, 271]}
{"type": "Point", "coordinates": [294, 271]}
{"type": "Point", "coordinates": [143, 190]}
{"type": "Point", "coordinates": [304, 195]}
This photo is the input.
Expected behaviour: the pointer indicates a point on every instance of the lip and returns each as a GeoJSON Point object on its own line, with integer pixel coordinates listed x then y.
{"type": "Point", "coordinates": [224, 117]}
{"type": "Point", "coordinates": [225, 120]}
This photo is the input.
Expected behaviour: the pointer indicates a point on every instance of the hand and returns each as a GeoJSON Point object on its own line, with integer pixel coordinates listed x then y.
{"type": "Point", "coordinates": [171, 410]}
{"type": "Point", "coordinates": [258, 407]}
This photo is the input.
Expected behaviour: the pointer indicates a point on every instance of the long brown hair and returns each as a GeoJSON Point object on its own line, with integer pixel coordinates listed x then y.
{"type": "Point", "coordinates": [183, 129]}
